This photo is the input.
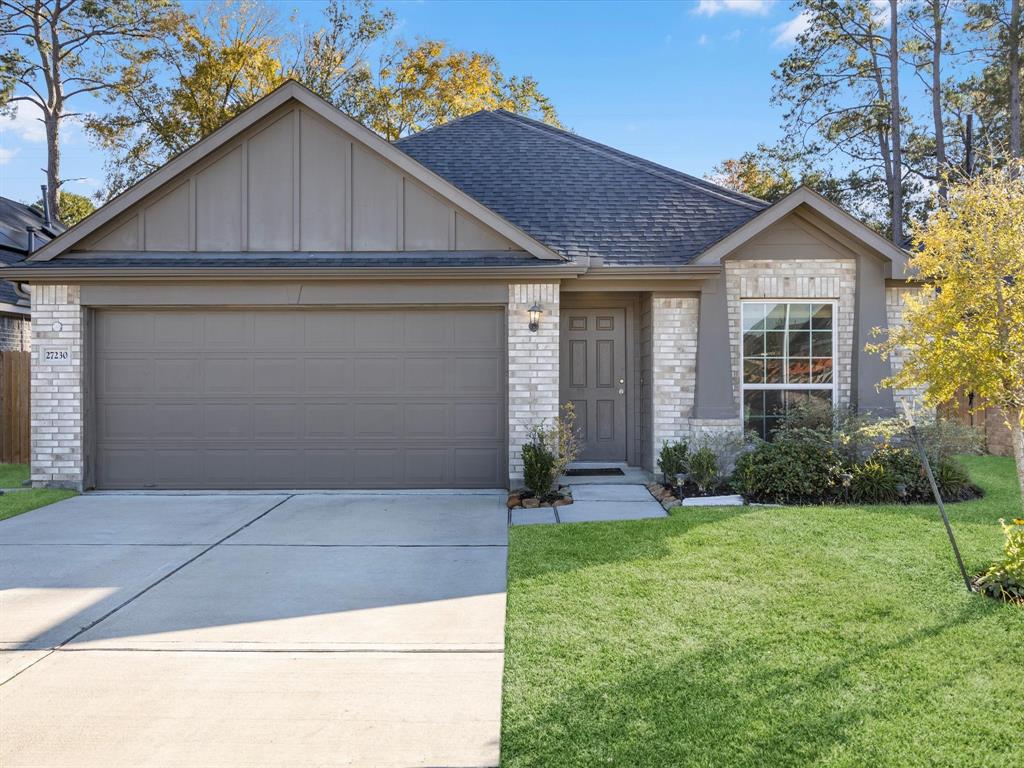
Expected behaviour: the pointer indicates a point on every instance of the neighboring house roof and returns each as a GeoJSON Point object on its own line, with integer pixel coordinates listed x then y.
{"type": "Point", "coordinates": [15, 219]}
{"type": "Point", "coordinates": [577, 196]}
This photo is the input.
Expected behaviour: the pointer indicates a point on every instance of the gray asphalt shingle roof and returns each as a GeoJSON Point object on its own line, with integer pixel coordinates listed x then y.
{"type": "Point", "coordinates": [576, 196]}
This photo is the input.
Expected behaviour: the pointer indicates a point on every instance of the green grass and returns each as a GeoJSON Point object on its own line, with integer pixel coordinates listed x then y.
{"type": "Point", "coordinates": [750, 636]}
{"type": "Point", "coordinates": [13, 475]}
{"type": "Point", "coordinates": [17, 502]}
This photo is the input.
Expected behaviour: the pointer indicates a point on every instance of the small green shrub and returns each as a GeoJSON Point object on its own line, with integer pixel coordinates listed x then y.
{"type": "Point", "coordinates": [787, 472]}
{"type": "Point", "coordinates": [672, 460]}
{"type": "Point", "coordinates": [873, 483]}
{"type": "Point", "coordinates": [550, 450]}
{"type": "Point", "coordinates": [538, 467]}
{"type": "Point", "coordinates": [704, 469]}
{"type": "Point", "coordinates": [1005, 579]}
{"type": "Point", "coordinates": [953, 481]}
{"type": "Point", "coordinates": [905, 466]}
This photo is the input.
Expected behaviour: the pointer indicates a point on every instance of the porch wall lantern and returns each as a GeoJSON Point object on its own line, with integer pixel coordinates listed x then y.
{"type": "Point", "coordinates": [535, 313]}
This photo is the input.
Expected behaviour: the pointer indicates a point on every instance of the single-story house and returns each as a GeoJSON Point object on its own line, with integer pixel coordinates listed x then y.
{"type": "Point", "coordinates": [22, 228]}
{"type": "Point", "coordinates": [294, 302]}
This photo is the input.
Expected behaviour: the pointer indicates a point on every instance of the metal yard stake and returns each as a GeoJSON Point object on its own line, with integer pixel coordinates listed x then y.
{"type": "Point", "coordinates": [938, 500]}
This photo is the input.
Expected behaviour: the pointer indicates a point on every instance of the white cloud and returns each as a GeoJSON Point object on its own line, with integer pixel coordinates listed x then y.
{"type": "Point", "coordinates": [702, 40]}
{"type": "Point", "coordinates": [7, 154]}
{"type": "Point", "coordinates": [25, 125]}
{"type": "Point", "coordinates": [714, 7]}
{"type": "Point", "coordinates": [734, 35]}
{"type": "Point", "coordinates": [786, 33]}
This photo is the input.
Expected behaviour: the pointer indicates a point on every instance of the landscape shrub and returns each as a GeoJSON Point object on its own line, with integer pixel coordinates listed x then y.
{"type": "Point", "coordinates": [953, 481]}
{"type": "Point", "coordinates": [704, 471]}
{"type": "Point", "coordinates": [672, 460]}
{"type": "Point", "coordinates": [538, 467]}
{"type": "Point", "coordinates": [550, 449]}
{"type": "Point", "coordinates": [788, 472]}
{"type": "Point", "coordinates": [873, 483]}
{"type": "Point", "coordinates": [1005, 579]}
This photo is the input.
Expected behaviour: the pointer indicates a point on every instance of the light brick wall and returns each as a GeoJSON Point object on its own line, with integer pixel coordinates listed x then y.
{"type": "Point", "coordinates": [895, 301]}
{"type": "Point", "coordinates": [57, 391]}
{"type": "Point", "coordinates": [532, 365]}
{"type": "Point", "coordinates": [674, 368]}
{"type": "Point", "coordinates": [834, 279]}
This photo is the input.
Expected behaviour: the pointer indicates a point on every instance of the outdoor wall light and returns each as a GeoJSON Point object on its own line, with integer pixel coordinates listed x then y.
{"type": "Point", "coordinates": [535, 313]}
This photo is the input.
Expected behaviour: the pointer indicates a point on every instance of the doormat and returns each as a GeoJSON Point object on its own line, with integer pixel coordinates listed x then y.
{"type": "Point", "coordinates": [592, 471]}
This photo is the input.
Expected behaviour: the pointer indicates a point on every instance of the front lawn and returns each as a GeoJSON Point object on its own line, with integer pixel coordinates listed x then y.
{"type": "Point", "coordinates": [752, 636]}
{"type": "Point", "coordinates": [16, 502]}
{"type": "Point", "coordinates": [13, 475]}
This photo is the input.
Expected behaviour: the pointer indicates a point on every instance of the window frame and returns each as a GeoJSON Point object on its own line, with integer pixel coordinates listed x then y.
{"type": "Point", "coordinates": [745, 387]}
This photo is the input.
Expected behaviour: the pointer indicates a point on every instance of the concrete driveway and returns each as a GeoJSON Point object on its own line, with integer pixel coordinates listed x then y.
{"type": "Point", "coordinates": [320, 629]}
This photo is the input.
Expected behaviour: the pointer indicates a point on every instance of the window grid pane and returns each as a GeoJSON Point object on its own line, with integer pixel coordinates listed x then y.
{"type": "Point", "coordinates": [784, 343]}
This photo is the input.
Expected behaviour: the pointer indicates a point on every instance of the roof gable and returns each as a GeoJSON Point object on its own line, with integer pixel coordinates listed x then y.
{"type": "Point", "coordinates": [292, 173]}
{"type": "Point", "coordinates": [581, 198]}
{"type": "Point", "coordinates": [829, 217]}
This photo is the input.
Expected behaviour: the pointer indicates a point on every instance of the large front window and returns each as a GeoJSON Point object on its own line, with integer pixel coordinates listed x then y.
{"type": "Point", "coordinates": [788, 358]}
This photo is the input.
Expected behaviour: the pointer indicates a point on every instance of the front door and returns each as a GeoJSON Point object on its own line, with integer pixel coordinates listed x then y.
{"type": "Point", "coordinates": [593, 379]}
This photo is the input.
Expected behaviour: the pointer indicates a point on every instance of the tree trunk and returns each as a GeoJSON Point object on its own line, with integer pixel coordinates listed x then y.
{"type": "Point", "coordinates": [1014, 63]}
{"type": "Point", "coordinates": [940, 135]}
{"type": "Point", "coordinates": [52, 123]}
{"type": "Point", "coordinates": [896, 191]}
{"type": "Point", "coordinates": [1017, 433]}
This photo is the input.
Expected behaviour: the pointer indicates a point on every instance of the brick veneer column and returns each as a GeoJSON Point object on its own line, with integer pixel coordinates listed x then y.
{"type": "Point", "coordinates": [57, 408]}
{"type": "Point", "coordinates": [532, 365]}
{"type": "Point", "coordinates": [674, 367]}
{"type": "Point", "coordinates": [895, 301]}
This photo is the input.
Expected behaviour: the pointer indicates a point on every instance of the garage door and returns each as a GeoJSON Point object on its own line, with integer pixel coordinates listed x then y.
{"type": "Point", "coordinates": [409, 398]}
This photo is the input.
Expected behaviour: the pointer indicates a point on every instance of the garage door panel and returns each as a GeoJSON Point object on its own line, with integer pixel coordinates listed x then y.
{"type": "Point", "coordinates": [177, 375]}
{"type": "Point", "coordinates": [477, 375]}
{"type": "Point", "coordinates": [125, 376]}
{"type": "Point", "coordinates": [329, 375]}
{"type": "Point", "coordinates": [176, 467]}
{"type": "Point", "coordinates": [474, 465]}
{"type": "Point", "coordinates": [175, 421]}
{"type": "Point", "coordinates": [125, 331]}
{"type": "Point", "coordinates": [278, 375]}
{"type": "Point", "coordinates": [277, 421]}
{"type": "Point", "coordinates": [328, 420]}
{"type": "Point", "coordinates": [230, 330]}
{"type": "Point", "coordinates": [478, 329]}
{"type": "Point", "coordinates": [427, 374]}
{"type": "Point", "coordinates": [482, 420]}
{"type": "Point", "coordinates": [300, 398]}
{"type": "Point", "coordinates": [376, 420]}
{"type": "Point", "coordinates": [223, 421]}
{"type": "Point", "coordinates": [174, 330]}
{"type": "Point", "coordinates": [376, 375]}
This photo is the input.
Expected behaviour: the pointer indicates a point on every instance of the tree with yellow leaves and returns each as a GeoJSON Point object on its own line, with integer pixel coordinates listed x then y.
{"type": "Point", "coordinates": [965, 328]}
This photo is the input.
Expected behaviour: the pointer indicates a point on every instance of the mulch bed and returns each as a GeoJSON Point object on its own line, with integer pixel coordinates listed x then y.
{"type": "Point", "coordinates": [670, 496]}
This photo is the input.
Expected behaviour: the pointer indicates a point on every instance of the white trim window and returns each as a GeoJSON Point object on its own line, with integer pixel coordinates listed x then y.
{"type": "Point", "coordinates": [788, 357]}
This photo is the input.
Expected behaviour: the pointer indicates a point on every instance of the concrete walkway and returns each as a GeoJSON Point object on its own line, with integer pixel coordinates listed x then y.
{"type": "Point", "coordinates": [253, 630]}
{"type": "Point", "coordinates": [599, 502]}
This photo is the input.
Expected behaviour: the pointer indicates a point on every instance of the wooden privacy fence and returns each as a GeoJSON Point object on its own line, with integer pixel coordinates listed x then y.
{"type": "Point", "coordinates": [14, 407]}
{"type": "Point", "coordinates": [989, 421]}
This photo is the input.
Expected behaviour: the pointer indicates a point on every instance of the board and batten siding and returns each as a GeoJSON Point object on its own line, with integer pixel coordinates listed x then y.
{"type": "Point", "coordinates": [294, 182]}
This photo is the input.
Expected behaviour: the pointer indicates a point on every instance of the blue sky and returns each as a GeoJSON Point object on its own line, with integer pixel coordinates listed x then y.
{"type": "Point", "coordinates": [686, 84]}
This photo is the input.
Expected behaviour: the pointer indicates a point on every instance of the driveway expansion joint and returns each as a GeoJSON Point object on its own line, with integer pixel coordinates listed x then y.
{"type": "Point", "coordinates": [168, 575]}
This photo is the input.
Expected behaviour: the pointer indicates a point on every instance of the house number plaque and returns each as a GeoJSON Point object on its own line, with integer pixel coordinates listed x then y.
{"type": "Point", "coordinates": [55, 355]}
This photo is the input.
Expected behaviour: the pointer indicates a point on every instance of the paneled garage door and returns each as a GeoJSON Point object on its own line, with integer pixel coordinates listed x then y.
{"type": "Point", "coordinates": [404, 398]}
